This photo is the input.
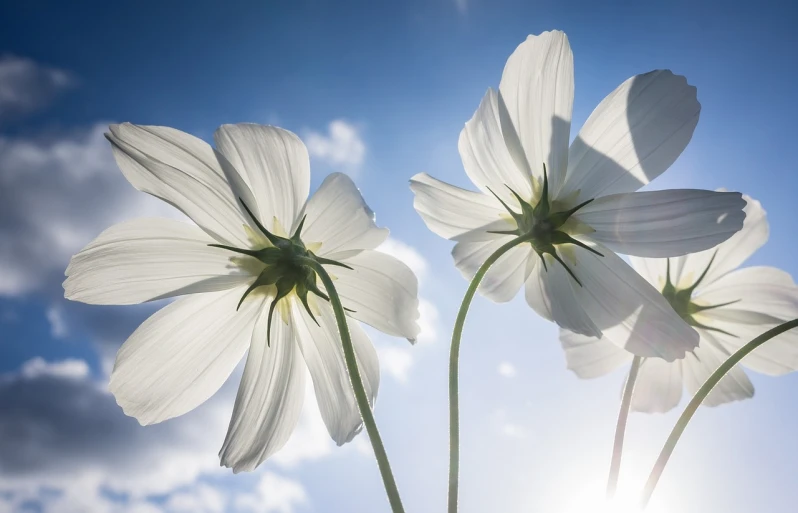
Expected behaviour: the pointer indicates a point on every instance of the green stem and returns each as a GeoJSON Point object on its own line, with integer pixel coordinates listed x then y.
{"type": "Point", "coordinates": [620, 429]}
{"type": "Point", "coordinates": [360, 392]}
{"type": "Point", "coordinates": [454, 358]}
{"type": "Point", "coordinates": [699, 397]}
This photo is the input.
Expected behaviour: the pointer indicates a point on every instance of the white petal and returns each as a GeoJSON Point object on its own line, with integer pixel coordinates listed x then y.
{"type": "Point", "coordinates": [658, 387]}
{"type": "Point", "coordinates": [274, 163]}
{"type": "Point", "coordinates": [728, 255]}
{"type": "Point", "coordinates": [339, 219]}
{"type": "Point", "coordinates": [269, 398]}
{"type": "Point", "coordinates": [591, 357]}
{"type": "Point", "coordinates": [450, 211]}
{"type": "Point", "coordinates": [182, 170]}
{"type": "Point", "coordinates": [321, 348]}
{"type": "Point", "coordinates": [550, 292]}
{"type": "Point", "coordinates": [766, 290]}
{"type": "Point", "coordinates": [148, 259]}
{"type": "Point", "coordinates": [701, 363]}
{"type": "Point", "coordinates": [505, 277]}
{"type": "Point", "coordinates": [182, 354]}
{"type": "Point", "coordinates": [634, 135]}
{"type": "Point", "coordinates": [627, 309]}
{"type": "Point", "coordinates": [486, 158]}
{"type": "Point", "coordinates": [765, 297]}
{"type": "Point", "coordinates": [664, 223]}
{"type": "Point", "coordinates": [382, 291]}
{"type": "Point", "coordinates": [538, 88]}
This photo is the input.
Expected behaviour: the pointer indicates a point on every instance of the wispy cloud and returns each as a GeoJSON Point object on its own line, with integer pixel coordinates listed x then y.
{"type": "Point", "coordinates": [56, 194]}
{"type": "Point", "coordinates": [26, 86]}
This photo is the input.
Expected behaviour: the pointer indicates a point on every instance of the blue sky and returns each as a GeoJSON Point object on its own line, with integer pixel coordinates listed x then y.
{"type": "Point", "coordinates": [381, 91]}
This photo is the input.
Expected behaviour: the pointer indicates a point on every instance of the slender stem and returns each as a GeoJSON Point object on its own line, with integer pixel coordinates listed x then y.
{"type": "Point", "coordinates": [695, 402]}
{"type": "Point", "coordinates": [620, 429]}
{"type": "Point", "coordinates": [360, 391]}
{"type": "Point", "coordinates": [454, 358]}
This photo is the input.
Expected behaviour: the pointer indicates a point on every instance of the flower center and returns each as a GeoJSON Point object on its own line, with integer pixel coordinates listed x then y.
{"type": "Point", "coordinates": [681, 300]}
{"type": "Point", "coordinates": [286, 267]}
{"type": "Point", "coordinates": [542, 228]}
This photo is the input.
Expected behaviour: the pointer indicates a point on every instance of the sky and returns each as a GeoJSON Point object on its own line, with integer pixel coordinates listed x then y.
{"type": "Point", "coordinates": [379, 90]}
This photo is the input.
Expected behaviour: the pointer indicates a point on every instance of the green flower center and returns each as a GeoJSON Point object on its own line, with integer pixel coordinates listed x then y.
{"type": "Point", "coordinates": [681, 300]}
{"type": "Point", "coordinates": [542, 228]}
{"type": "Point", "coordinates": [286, 267]}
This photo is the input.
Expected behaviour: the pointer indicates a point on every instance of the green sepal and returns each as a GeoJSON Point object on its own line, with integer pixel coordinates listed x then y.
{"type": "Point", "coordinates": [269, 235]}
{"type": "Point", "coordinates": [559, 237]}
{"type": "Point", "coordinates": [541, 210]}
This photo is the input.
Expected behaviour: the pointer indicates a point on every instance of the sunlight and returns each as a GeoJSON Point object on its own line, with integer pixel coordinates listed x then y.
{"type": "Point", "coordinates": [591, 501]}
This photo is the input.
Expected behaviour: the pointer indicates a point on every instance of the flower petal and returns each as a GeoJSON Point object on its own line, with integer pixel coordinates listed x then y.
{"type": "Point", "coordinates": [269, 398]}
{"type": "Point", "coordinates": [274, 163]}
{"type": "Point", "coordinates": [182, 170]}
{"type": "Point", "coordinates": [703, 361]}
{"type": "Point", "coordinates": [658, 387]}
{"type": "Point", "coordinates": [182, 354]}
{"type": "Point", "coordinates": [627, 309]}
{"type": "Point", "coordinates": [728, 255]}
{"type": "Point", "coordinates": [486, 158]}
{"type": "Point", "coordinates": [775, 357]}
{"type": "Point", "coordinates": [382, 291]}
{"type": "Point", "coordinates": [766, 290]}
{"type": "Point", "coordinates": [339, 219]}
{"type": "Point", "coordinates": [450, 211]}
{"type": "Point", "coordinates": [147, 259]}
{"type": "Point", "coordinates": [591, 357]}
{"type": "Point", "coordinates": [505, 277]}
{"type": "Point", "coordinates": [321, 348]}
{"type": "Point", "coordinates": [664, 223]}
{"type": "Point", "coordinates": [634, 135]}
{"type": "Point", "coordinates": [537, 87]}
{"type": "Point", "coordinates": [550, 292]}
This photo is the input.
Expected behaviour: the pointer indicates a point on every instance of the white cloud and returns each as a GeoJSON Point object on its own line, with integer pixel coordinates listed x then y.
{"type": "Point", "coordinates": [26, 86]}
{"type": "Point", "coordinates": [56, 194]}
{"type": "Point", "coordinates": [274, 494]}
{"type": "Point", "coordinates": [407, 254]}
{"type": "Point", "coordinates": [341, 146]}
{"type": "Point", "coordinates": [507, 370]}
{"type": "Point", "coordinates": [67, 369]}
{"type": "Point", "coordinates": [202, 499]}
{"type": "Point", "coordinates": [396, 361]}
{"type": "Point", "coordinates": [428, 320]}
{"type": "Point", "coordinates": [58, 327]}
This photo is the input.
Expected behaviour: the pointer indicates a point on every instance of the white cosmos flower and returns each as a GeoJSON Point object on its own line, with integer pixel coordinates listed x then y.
{"type": "Point", "coordinates": [727, 306]}
{"type": "Point", "coordinates": [585, 197]}
{"type": "Point", "coordinates": [183, 353]}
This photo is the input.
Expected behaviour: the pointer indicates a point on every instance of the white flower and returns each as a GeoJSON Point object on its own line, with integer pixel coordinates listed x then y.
{"type": "Point", "coordinates": [727, 306]}
{"type": "Point", "coordinates": [183, 353]}
{"type": "Point", "coordinates": [579, 202]}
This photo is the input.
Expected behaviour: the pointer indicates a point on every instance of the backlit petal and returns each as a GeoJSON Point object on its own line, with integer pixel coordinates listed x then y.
{"type": "Point", "coordinates": [148, 259]}
{"type": "Point", "coordinates": [633, 136]}
{"type": "Point", "coordinates": [450, 211]}
{"type": "Point", "coordinates": [274, 163]}
{"type": "Point", "coordinates": [382, 291]}
{"type": "Point", "coordinates": [269, 398]}
{"type": "Point", "coordinates": [664, 223]}
{"type": "Point", "coordinates": [321, 349]}
{"type": "Point", "coordinates": [182, 354]}
{"type": "Point", "coordinates": [182, 170]}
{"type": "Point", "coordinates": [339, 219]}
{"type": "Point", "coordinates": [537, 87]}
